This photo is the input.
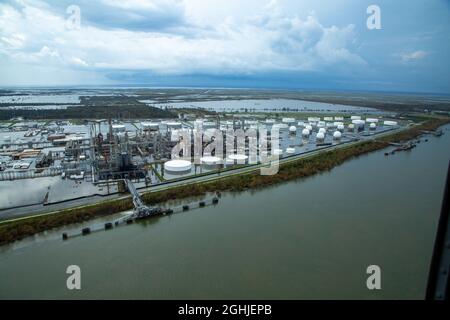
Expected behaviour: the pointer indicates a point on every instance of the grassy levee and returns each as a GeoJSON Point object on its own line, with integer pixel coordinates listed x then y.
{"type": "Point", "coordinates": [322, 162]}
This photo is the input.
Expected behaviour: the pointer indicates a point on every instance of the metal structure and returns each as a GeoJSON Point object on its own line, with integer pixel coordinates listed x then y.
{"type": "Point", "coordinates": [438, 279]}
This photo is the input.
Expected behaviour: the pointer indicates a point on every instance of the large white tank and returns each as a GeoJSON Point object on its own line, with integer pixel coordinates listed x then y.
{"type": "Point", "coordinates": [320, 136]}
{"type": "Point", "coordinates": [288, 120]}
{"type": "Point", "coordinates": [280, 126]}
{"type": "Point", "coordinates": [390, 123]}
{"type": "Point", "coordinates": [290, 150]}
{"type": "Point", "coordinates": [237, 157]}
{"type": "Point", "coordinates": [309, 127]}
{"type": "Point", "coordinates": [306, 132]}
{"type": "Point", "coordinates": [359, 124]}
{"type": "Point", "coordinates": [292, 129]}
{"type": "Point", "coordinates": [373, 126]}
{"type": "Point", "coordinates": [277, 152]}
{"type": "Point", "coordinates": [208, 160]}
{"type": "Point", "coordinates": [177, 166]}
{"type": "Point", "coordinates": [322, 130]}
{"type": "Point", "coordinates": [337, 135]}
{"type": "Point", "coordinates": [340, 127]}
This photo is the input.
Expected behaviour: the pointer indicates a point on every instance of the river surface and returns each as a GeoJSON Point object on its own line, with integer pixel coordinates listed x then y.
{"type": "Point", "coordinates": [308, 239]}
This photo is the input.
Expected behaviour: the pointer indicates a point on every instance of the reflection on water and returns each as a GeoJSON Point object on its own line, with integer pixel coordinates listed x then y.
{"type": "Point", "coordinates": [313, 238]}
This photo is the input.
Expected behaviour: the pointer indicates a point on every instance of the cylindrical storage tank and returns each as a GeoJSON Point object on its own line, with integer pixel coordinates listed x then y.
{"type": "Point", "coordinates": [177, 166]}
{"type": "Point", "coordinates": [277, 152]}
{"type": "Point", "coordinates": [292, 129]}
{"type": "Point", "coordinates": [305, 133]}
{"type": "Point", "coordinates": [309, 127]}
{"type": "Point", "coordinates": [337, 135]}
{"type": "Point", "coordinates": [321, 124]}
{"type": "Point", "coordinates": [288, 120]}
{"type": "Point", "coordinates": [351, 127]}
{"type": "Point", "coordinates": [340, 127]}
{"type": "Point", "coordinates": [373, 126]}
{"type": "Point", "coordinates": [320, 136]}
{"type": "Point", "coordinates": [210, 161]}
{"type": "Point", "coordinates": [290, 150]}
{"type": "Point", "coordinates": [301, 124]}
{"type": "Point", "coordinates": [390, 123]}
{"type": "Point", "coordinates": [359, 124]}
{"type": "Point", "coordinates": [280, 126]}
{"type": "Point", "coordinates": [238, 157]}
{"type": "Point", "coordinates": [322, 130]}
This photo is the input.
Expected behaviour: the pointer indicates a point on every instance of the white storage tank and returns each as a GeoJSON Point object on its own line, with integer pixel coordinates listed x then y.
{"type": "Point", "coordinates": [288, 120]}
{"type": "Point", "coordinates": [237, 157]}
{"type": "Point", "coordinates": [177, 166]}
{"type": "Point", "coordinates": [322, 130]}
{"type": "Point", "coordinates": [320, 136]}
{"type": "Point", "coordinates": [292, 129]}
{"type": "Point", "coordinates": [280, 126]}
{"type": "Point", "coordinates": [390, 123]}
{"type": "Point", "coordinates": [277, 152]}
{"type": "Point", "coordinates": [337, 135]}
{"type": "Point", "coordinates": [306, 132]}
{"type": "Point", "coordinates": [373, 126]}
{"type": "Point", "coordinates": [210, 161]}
{"type": "Point", "coordinates": [290, 150]}
{"type": "Point", "coordinates": [359, 124]}
{"type": "Point", "coordinates": [351, 127]}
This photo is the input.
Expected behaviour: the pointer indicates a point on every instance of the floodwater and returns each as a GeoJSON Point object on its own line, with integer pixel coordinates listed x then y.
{"type": "Point", "coordinates": [308, 239]}
{"type": "Point", "coordinates": [267, 105]}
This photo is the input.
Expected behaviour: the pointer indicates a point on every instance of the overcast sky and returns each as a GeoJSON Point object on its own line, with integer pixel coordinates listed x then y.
{"type": "Point", "coordinates": [318, 44]}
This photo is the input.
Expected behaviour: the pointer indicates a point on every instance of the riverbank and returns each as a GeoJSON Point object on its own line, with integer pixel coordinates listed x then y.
{"type": "Point", "coordinates": [18, 229]}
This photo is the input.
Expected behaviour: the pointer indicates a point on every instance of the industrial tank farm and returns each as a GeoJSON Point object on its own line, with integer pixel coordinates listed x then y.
{"type": "Point", "coordinates": [60, 161]}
